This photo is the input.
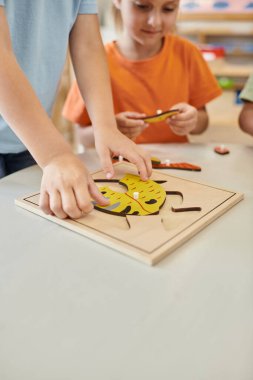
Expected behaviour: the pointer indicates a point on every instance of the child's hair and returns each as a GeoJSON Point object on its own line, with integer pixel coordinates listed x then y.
{"type": "Point", "coordinates": [116, 14]}
{"type": "Point", "coordinates": [117, 18]}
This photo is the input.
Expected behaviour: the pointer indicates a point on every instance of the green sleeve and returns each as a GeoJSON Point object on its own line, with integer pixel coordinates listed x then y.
{"type": "Point", "coordinates": [247, 92]}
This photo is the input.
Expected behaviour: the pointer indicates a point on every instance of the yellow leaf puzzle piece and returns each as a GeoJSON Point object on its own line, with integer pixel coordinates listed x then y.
{"type": "Point", "coordinates": [151, 197]}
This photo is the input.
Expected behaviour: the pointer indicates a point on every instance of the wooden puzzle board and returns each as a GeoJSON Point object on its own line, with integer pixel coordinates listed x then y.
{"type": "Point", "coordinates": [148, 238]}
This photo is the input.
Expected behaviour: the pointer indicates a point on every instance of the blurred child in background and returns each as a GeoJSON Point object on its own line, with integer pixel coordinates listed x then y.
{"type": "Point", "coordinates": [152, 69]}
{"type": "Point", "coordinates": [246, 115]}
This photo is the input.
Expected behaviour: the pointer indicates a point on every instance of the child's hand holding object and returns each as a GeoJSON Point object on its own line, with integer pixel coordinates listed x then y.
{"type": "Point", "coordinates": [130, 124]}
{"type": "Point", "coordinates": [185, 121]}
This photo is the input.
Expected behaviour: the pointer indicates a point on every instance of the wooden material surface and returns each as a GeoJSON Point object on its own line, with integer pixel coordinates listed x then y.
{"type": "Point", "coordinates": [214, 16]}
{"type": "Point", "coordinates": [150, 238]}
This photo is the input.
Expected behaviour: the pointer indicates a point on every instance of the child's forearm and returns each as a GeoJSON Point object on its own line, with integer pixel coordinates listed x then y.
{"type": "Point", "coordinates": [202, 122]}
{"type": "Point", "coordinates": [22, 110]}
{"type": "Point", "coordinates": [91, 70]}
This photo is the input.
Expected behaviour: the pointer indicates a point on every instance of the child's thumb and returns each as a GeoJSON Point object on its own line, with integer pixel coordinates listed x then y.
{"type": "Point", "coordinates": [96, 195]}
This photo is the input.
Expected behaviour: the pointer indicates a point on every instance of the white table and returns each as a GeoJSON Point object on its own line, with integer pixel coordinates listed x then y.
{"type": "Point", "coordinates": [72, 309]}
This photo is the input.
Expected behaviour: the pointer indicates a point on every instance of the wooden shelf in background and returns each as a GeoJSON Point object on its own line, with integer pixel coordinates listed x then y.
{"type": "Point", "coordinates": [217, 32]}
{"type": "Point", "coordinates": [215, 16]}
{"type": "Point", "coordinates": [223, 68]}
{"type": "Point", "coordinates": [239, 53]}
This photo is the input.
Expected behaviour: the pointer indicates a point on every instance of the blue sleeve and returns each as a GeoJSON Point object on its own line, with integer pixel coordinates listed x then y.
{"type": "Point", "coordinates": [2, 2]}
{"type": "Point", "coordinates": [87, 7]}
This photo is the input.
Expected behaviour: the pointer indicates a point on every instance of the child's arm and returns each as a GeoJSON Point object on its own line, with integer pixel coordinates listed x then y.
{"type": "Point", "coordinates": [189, 120]}
{"type": "Point", "coordinates": [90, 67]}
{"type": "Point", "coordinates": [66, 184]}
{"type": "Point", "coordinates": [202, 122]}
{"type": "Point", "coordinates": [246, 118]}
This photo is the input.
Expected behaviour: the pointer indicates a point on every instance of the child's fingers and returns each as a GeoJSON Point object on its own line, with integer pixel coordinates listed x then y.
{"type": "Point", "coordinates": [134, 123]}
{"type": "Point", "coordinates": [141, 166]}
{"type": "Point", "coordinates": [135, 115]}
{"type": "Point", "coordinates": [64, 189]}
{"type": "Point", "coordinates": [130, 123]}
{"type": "Point", "coordinates": [183, 128]}
{"type": "Point", "coordinates": [179, 131]}
{"type": "Point", "coordinates": [127, 130]}
{"type": "Point", "coordinates": [76, 201]}
{"type": "Point", "coordinates": [148, 163]}
{"type": "Point", "coordinates": [106, 162]}
{"type": "Point", "coordinates": [96, 195]}
{"type": "Point", "coordinates": [186, 113]}
{"type": "Point", "coordinates": [56, 204]}
{"type": "Point", "coordinates": [142, 161]}
{"type": "Point", "coordinates": [132, 132]}
{"type": "Point", "coordinates": [184, 116]}
{"type": "Point", "coordinates": [146, 171]}
{"type": "Point", "coordinates": [181, 123]}
{"type": "Point", "coordinates": [44, 202]}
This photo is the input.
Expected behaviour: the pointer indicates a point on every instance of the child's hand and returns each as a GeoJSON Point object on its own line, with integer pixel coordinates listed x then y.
{"type": "Point", "coordinates": [184, 122]}
{"type": "Point", "coordinates": [129, 123]}
{"type": "Point", "coordinates": [113, 143]}
{"type": "Point", "coordinates": [67, 188]}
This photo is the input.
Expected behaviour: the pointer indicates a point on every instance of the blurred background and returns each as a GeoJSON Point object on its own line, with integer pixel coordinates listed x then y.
{"type": "Point", "coordinates": [223, 31]}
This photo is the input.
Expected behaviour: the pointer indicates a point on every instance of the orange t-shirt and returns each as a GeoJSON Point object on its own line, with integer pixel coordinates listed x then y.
{"type": "Point", "coordinates": [178, 73]}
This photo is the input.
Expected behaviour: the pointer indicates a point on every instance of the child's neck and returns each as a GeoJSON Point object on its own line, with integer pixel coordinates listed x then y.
{"type": "Point", "coordinates": [132, 50]}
